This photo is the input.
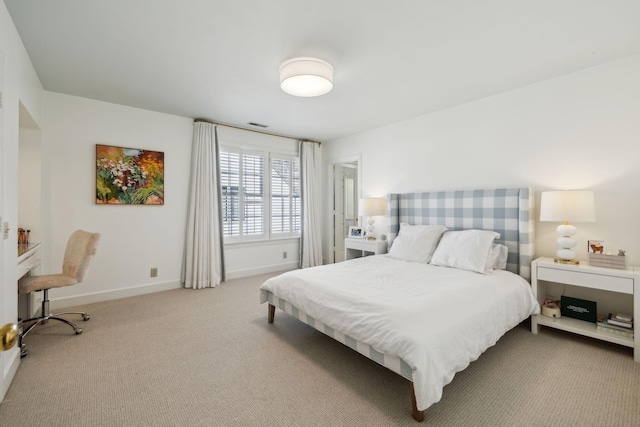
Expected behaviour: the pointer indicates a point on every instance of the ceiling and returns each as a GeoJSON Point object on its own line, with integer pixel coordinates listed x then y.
{"type": "Point", "coordinates": [393, 60]}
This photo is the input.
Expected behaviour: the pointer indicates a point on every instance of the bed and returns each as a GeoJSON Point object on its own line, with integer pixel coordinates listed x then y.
{"type": "Point", "coordinates": [424, 320]}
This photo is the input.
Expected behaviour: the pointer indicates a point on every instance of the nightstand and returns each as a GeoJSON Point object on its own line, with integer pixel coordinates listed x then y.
{"type": "Point", "coordinates": [356, 248]}
{"type": "Point", "coordinates": [621, 286]}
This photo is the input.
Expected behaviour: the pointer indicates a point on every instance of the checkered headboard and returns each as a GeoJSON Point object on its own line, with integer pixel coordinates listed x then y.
{"type": "Point", "coordinates": [507, 211]}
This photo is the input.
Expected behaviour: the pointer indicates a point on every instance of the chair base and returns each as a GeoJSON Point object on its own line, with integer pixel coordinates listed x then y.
{"type": "Point", "coordinates": [44, 317]}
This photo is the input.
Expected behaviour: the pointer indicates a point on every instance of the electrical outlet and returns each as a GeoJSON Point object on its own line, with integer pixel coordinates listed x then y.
{"type": "Point", "coordinates": [154, 272]}
{"type": "Point", "coordinates": [5, 227]}
{"type": "Point", "coordinates": [284, 255]}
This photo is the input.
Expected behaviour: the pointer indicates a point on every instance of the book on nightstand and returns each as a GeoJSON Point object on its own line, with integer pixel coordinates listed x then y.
{"type": "Point", "coordinates": [622, 317]}
{"type": "Point", "coordinates": [614, 324]}
{"type": "Point", "coordinates": [616, 330]}
{"type": "Point", "coordinates": [621, 320]}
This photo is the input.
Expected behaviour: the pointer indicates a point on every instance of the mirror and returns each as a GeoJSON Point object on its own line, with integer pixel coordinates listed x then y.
{"type": "Point", "coordinates": [349, 198]}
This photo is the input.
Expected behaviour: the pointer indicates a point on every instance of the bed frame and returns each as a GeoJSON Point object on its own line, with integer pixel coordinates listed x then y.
{"type": "Point", "coordinates": [507, 211]}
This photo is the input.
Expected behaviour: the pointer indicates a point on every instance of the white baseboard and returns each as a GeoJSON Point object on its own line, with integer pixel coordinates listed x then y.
{"type": "Point", "coordinates": [60, 303]}
{"type": "Point", "coordinates": [11, 367]}
{"type": "Point", "coordinates": [112, 294]}
{"type": "Point", "coordinates": [229, 275]}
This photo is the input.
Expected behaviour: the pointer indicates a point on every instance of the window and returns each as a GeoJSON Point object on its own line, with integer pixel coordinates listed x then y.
{"type": "Point", "coordinates": [257, 205]}
{"type": "Point", "coordinates": [285, 196]}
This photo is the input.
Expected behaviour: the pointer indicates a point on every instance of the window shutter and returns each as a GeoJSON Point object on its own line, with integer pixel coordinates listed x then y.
{"type": "Point", "coordinates": [230, 182]}
{"type": "Point", "coordinates": [285, 196]}
{"type": "Point", "coordinates": [296, 199]}
{"type": "Point", "coordinates": [253, 194]}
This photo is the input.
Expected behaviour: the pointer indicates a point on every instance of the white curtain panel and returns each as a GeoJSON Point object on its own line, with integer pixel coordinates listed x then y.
{"type": "Point", "coordinates": [203, 265]}
{"type": "Point", "coordinates": [311, 175]}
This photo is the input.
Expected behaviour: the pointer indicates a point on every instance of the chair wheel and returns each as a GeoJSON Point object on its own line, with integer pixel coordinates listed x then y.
{"type": "Point", "coordinates": [86, 317]}
{"type": "Point", "coordinates": [78, 331]}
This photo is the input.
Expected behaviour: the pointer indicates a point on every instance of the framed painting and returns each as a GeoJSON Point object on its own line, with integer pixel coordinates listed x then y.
{"type": "Point", "coordinates": [129, 176]}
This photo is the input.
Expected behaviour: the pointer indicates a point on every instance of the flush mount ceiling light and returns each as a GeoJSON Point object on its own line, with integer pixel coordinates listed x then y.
{"type": "Point", "coordinates": [306, 77]}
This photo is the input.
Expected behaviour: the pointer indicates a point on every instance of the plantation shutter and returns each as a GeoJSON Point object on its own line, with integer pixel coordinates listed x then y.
{"type": "Point", "coordinates": [230, 182]}
{"type": "Point", "coordinates": [253, 194]}
{"type": "Point", "coordinates": [285, 196]}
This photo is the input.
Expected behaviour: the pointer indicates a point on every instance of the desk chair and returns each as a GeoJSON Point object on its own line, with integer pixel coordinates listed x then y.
{"type": "Point", "coordinates": [81, 248]}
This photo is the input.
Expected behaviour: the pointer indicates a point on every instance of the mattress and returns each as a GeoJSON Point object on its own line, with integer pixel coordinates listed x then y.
{"type": "Point", "coordinates": [422, 321]}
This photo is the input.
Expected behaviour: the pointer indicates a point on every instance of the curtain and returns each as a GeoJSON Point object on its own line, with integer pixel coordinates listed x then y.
{"type": "Point", "coordinates": [203, 261]}
{"type": "Point", "coordinates": [310, 182]}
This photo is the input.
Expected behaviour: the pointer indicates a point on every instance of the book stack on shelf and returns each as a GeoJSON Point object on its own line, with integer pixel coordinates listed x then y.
{"type": "Point", "coordinates": [616, 323]}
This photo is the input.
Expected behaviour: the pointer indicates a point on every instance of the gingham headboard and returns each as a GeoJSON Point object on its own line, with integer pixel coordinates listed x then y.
{"type": "Point", "coordinates": [507, 211]}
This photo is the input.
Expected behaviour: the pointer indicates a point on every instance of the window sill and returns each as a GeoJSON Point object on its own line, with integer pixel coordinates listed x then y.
{"type": "Point", "coordinates": [253, 243]}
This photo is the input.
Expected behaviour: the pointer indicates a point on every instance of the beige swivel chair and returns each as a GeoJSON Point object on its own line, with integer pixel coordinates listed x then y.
{"type": "Point", "coordinates": [80, 250]}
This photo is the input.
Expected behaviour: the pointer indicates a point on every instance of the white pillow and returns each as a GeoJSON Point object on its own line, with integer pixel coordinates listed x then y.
{"type": "Point", "coordinates": [416, 242]}
{"type": "Point", "coordinates": [467, 249]}
{"type": "Point", "coordinates": [497, 259]}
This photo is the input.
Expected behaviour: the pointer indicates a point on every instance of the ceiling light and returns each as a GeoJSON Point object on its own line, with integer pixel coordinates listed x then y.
{"type": "Point", "coordinates": [306, 77]}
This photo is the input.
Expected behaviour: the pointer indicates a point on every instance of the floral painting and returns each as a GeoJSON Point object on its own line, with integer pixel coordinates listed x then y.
{"type": "Point", "coordinates": [129, 176]}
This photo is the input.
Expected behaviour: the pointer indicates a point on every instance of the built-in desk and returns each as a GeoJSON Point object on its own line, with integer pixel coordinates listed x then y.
{"type": "Point", "coordinates": [29, 258]}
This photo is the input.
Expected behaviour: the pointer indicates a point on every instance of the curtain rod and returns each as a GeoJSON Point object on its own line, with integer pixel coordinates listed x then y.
{"type": "Point", "coordinates": [253, 130]}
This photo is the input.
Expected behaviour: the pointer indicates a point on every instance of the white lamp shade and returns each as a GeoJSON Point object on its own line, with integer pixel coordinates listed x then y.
{"type": "Point", "coordinates": [306, 77]}
{"type": "Point", "coordinates": [372, 207]}
{"type": "Point", "coordinates": [567, 206]}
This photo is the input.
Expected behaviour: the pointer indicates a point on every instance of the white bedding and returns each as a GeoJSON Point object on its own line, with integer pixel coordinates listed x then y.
{"type": "Point", "coordinates": [437, 319]}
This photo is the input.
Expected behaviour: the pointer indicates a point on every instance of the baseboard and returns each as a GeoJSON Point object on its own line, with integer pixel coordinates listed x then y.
{"type": "Point", "coordinates": [60, 303]}
{"type": "Point", "coordinates": [229, 275]}
{"type": "Point", "coordinates": [112, 294]}
{"type": "Point", "coordinates": [11, 367]}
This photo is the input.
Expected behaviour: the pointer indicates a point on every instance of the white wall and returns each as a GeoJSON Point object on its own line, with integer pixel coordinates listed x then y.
{"type": "Point", "coordinates": [134, 238]}
{"type": "Point", "coordinates": [30, 183]}
{"type": "Point", "coordinates": [580, 131]}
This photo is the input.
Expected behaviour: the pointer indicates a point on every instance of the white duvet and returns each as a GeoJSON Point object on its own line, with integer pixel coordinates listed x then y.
{"type": "Point", "coordinates": [437, 319]}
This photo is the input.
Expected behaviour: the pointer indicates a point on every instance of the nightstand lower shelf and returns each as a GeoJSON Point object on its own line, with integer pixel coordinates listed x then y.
{"type": "Point", "coordinates": [583, 328]}
{"type": "Point", "coordinates": [614, 290]}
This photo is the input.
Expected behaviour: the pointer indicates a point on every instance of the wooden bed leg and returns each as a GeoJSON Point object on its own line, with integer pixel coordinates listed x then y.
{"type": "Point", "coordinates": [417, 415]}
{"type": "Point", "coordinates": [272, 312]}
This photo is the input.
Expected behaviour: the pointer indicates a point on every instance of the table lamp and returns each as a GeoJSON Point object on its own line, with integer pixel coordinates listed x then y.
{"type": "Point", "coordinates": [567, 206]}
{"type": "Point", "coordinates": [372, 208]}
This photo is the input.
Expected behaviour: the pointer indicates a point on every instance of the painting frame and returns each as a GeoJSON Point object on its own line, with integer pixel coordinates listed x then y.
{"type": "Point", "coordinates": [129, 176]}
{"type": "Point", "coordinates": [356, 232]}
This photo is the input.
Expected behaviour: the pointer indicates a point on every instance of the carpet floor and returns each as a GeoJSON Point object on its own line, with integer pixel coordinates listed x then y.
{"type": "Point", "coordinates": [209, 358]}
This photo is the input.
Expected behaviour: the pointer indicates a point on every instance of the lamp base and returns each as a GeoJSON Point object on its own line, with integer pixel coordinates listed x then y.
{"type": "Point", "coordinates": [566, 261]}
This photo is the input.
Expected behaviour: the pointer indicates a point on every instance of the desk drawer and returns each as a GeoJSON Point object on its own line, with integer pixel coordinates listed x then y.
{"type": "Point", "coordinates": [587, 280]}
{"type": "Point", "coordinates": [29, 262]}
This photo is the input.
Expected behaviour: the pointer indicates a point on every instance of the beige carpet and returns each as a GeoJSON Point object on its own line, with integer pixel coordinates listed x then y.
{"type": "Point", "coordinates": [209, 358]}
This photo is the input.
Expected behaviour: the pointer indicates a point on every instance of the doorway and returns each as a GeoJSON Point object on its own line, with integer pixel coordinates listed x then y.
{"type": "Point", "coordinates": [344, 192]}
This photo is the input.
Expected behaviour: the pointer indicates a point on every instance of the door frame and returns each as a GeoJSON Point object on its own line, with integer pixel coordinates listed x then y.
{"type": "Point", "coordinates": [9, 360]}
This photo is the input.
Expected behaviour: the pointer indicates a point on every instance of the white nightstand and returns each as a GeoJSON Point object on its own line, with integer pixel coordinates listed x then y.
{"type": "Point", "coordinates": [356, 248]}
{"type": "Point", "coordinates": [546, 273]}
